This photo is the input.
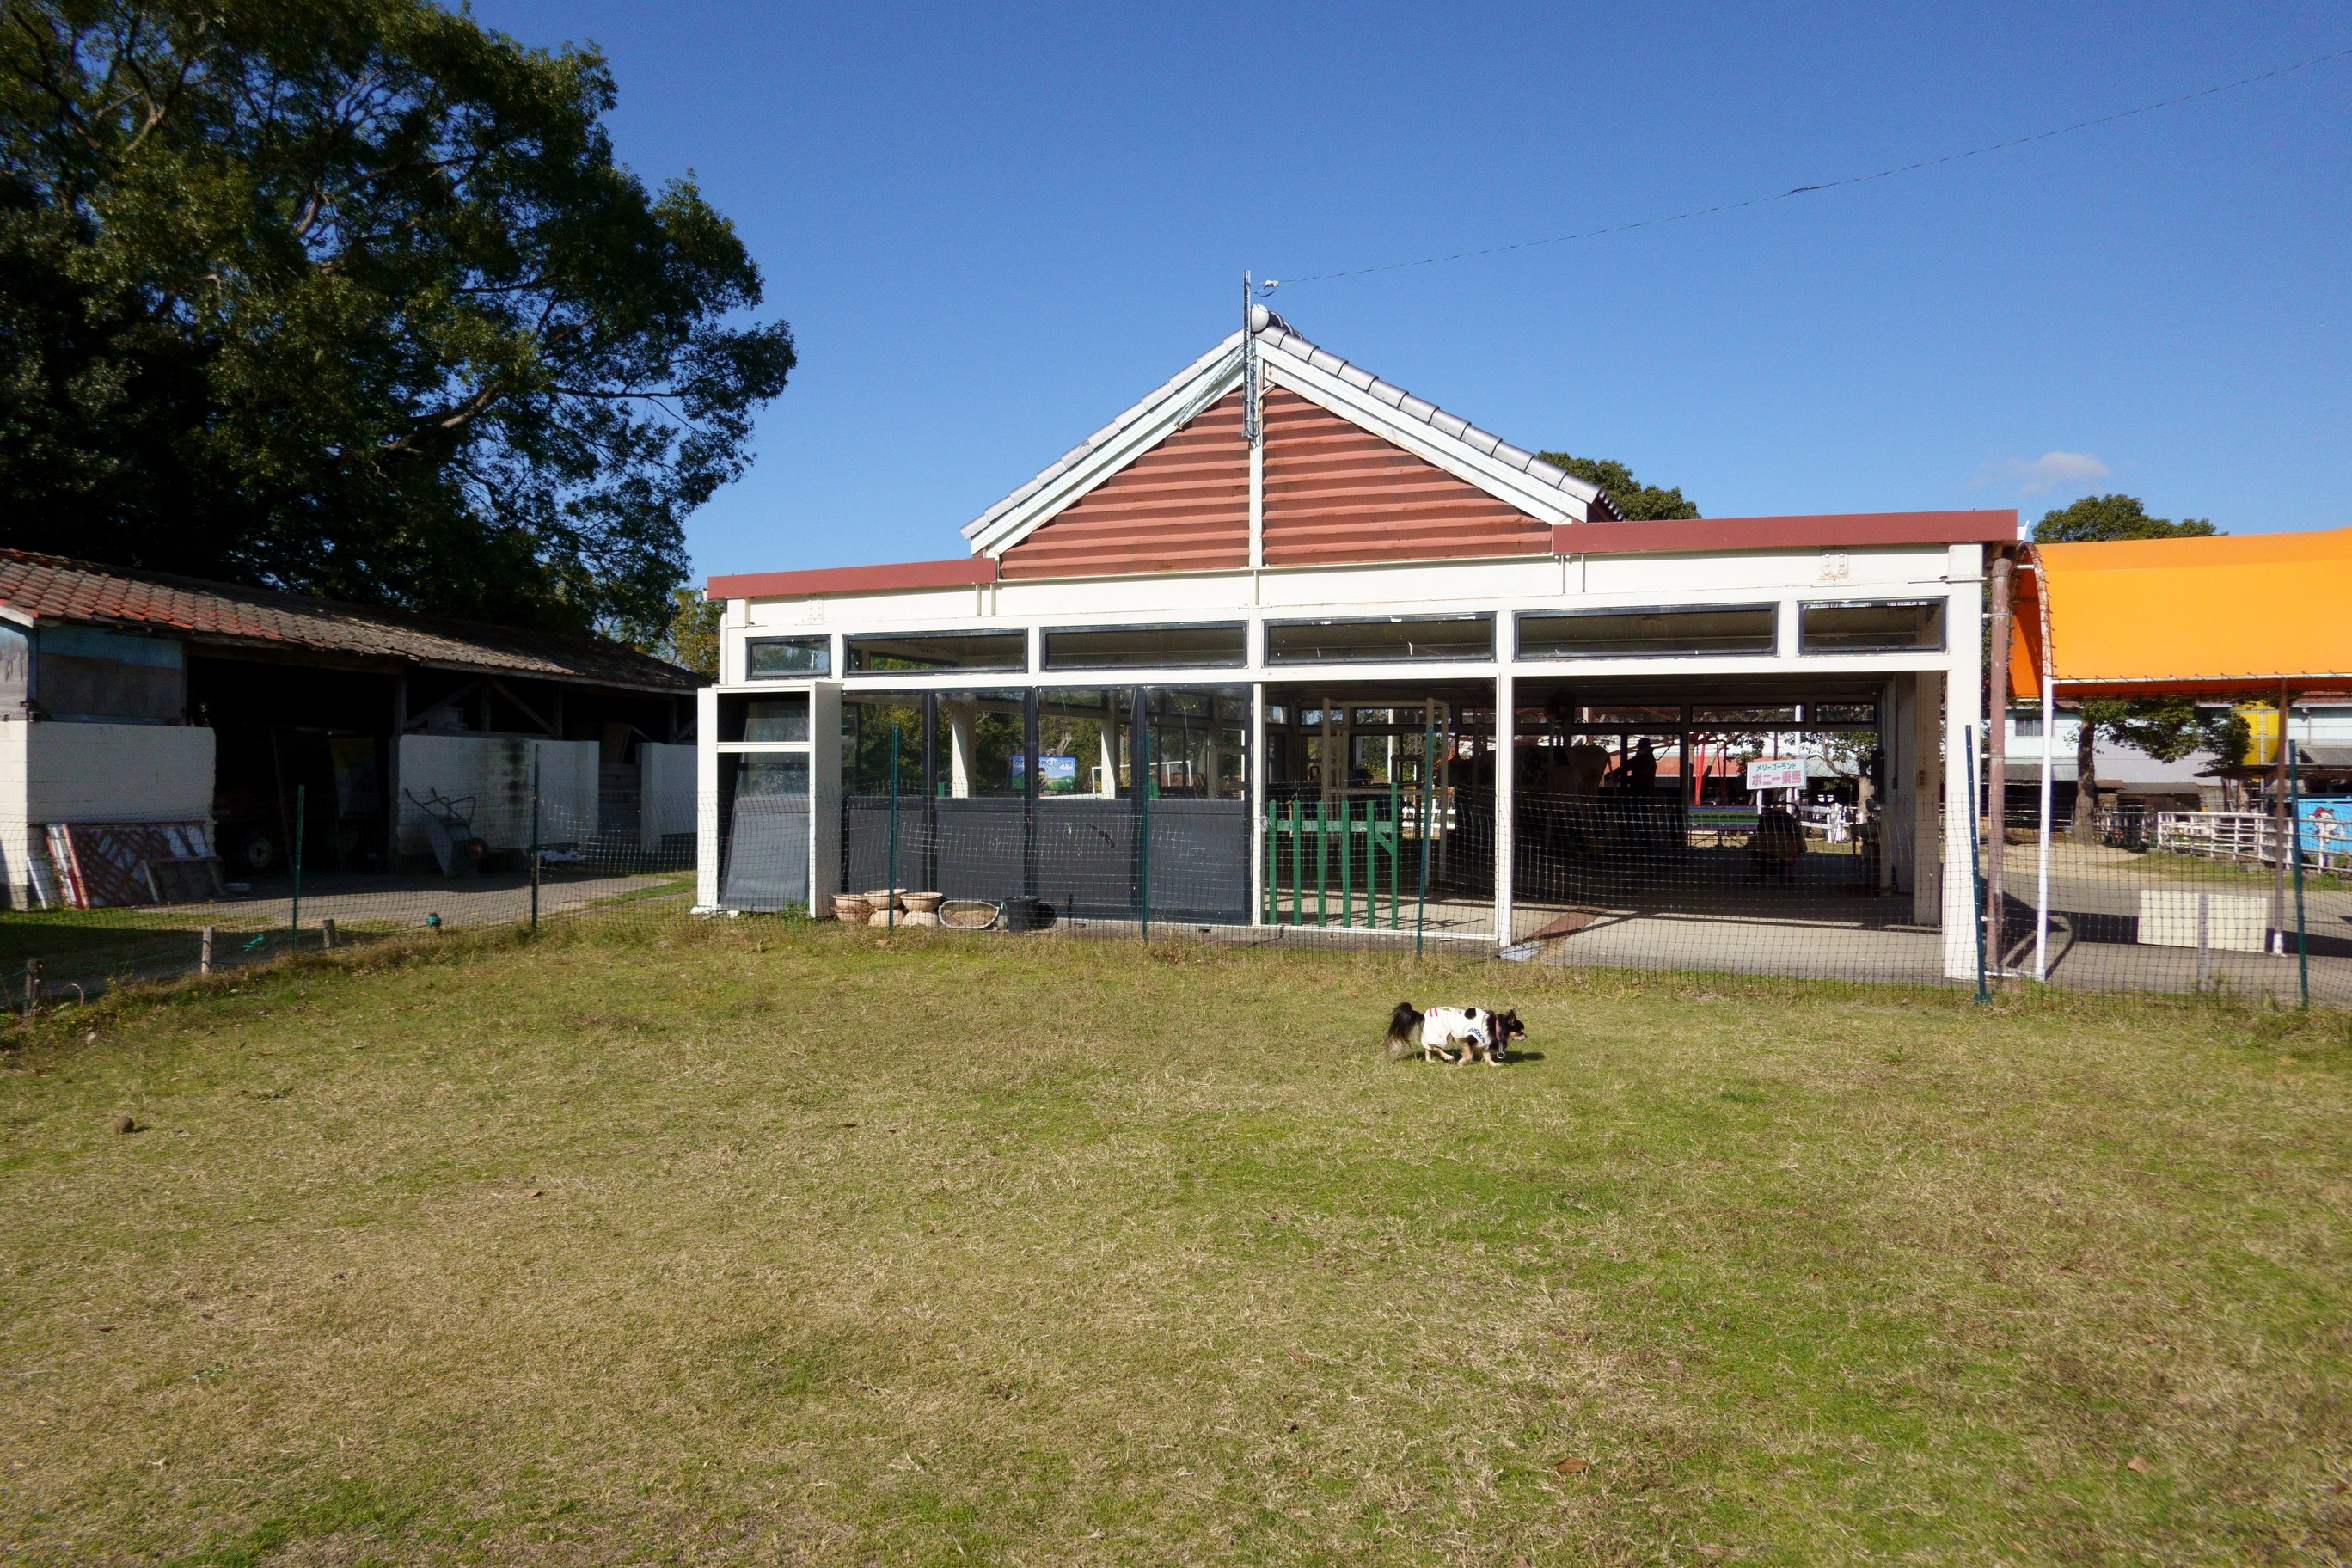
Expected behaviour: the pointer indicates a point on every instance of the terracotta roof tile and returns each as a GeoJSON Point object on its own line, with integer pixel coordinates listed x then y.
{"type": "Point", "coordinates": [53, 587]}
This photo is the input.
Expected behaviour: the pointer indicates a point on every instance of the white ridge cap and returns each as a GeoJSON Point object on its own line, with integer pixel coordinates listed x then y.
{"type": "Point", "coordinates": [1280, 336]}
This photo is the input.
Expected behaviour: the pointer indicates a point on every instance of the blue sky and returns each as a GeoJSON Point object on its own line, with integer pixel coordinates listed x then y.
{"type": "Point", "coordinates": [993, 228]}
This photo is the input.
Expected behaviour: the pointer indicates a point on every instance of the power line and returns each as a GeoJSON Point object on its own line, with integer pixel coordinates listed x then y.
{"type": "Point", "coordinates": [1832, 184]}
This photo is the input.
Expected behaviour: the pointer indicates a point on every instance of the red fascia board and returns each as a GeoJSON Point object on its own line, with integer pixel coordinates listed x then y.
{"type": "Point", "coordinates": [965, 571]}
{"type": "Point", "coordinates": [1835, 530]}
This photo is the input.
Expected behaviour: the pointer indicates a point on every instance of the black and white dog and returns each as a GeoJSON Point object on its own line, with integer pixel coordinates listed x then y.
{"type": "Point", "coordinates": [1480, 1032]}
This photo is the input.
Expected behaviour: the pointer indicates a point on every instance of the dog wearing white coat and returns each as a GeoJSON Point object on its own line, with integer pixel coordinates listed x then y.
{"type": "Point", "coordinates": [1481, 1032]}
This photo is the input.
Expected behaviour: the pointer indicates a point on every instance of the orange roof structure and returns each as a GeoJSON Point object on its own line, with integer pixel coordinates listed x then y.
{"type": "Point", "coordinates": [2216, 617]}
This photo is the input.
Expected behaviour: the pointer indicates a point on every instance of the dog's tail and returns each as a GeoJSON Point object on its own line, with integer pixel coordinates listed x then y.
{"type": "Point", "coordinates": [1404, 1032]}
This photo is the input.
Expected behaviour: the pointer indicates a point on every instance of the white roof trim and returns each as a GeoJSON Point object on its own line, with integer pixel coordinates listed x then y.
{"type": "Point", "coordinates": [1444, 440]}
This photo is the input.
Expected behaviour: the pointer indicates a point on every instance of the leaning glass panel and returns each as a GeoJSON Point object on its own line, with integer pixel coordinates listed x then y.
{"type": "Point", "coordinates": [939, 651]}
{"type": "Point", "coordinates": [1872, 629]}
{"type": "Point", "coordinates": [1386, 640]}
{"type": "Point", "coordinates": [786, 659]}
{"type": "Point", "coordinates": [777, 718]}
{"type": "Point", "coordinates": [1647, 633]}
{"type": "Point", "coordinates": [766, 850]}
{"type": "Point", "coordinates": [1147, 647]}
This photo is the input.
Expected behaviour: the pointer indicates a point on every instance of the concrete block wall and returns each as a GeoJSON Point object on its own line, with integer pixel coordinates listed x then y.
{"type": "Point", "coordinates": [96, 773]}
{"type": "Point", "coordinates": [495, 772]}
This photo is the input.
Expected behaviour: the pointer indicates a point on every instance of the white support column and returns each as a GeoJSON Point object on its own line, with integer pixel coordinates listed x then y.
{"type": "Point", "coordinates": [825, 796]}
{"type": "Point", "coordinates": [705, 798]}
{"type": "Point", "coordinates": [1963, 717]}
{"type": "Point", "coordinates": [1926, 778]}
{"type": "Point", "coordinates": [1892, 800]}
{"type": "Point", "coordinates": [1506, 804]}
{"type": "Point", "coordinates": [1256, 793]}
{"type": "Point", "coordinates": [1257, 504]}
{"type": "Point", "coordinates": [961, 712]}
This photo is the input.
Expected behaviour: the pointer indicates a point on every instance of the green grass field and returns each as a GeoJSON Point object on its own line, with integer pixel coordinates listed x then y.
{"type": "Point", "coordinates": [772, 1243]}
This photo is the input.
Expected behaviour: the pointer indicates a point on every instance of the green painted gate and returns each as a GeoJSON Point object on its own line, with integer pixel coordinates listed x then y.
{"type": "Point", "coordinates": [1326, 852]}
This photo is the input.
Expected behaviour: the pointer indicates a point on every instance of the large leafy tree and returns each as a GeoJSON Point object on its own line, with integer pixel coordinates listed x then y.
{"type": "Point", "coordinates": [2166, 728]}
{"type": "Point", "coordinates": [350, 296]}
{"type": "Point", "coordinates": [692, 640]}
{"type": "Point", "coordinates": [1639, 503]}
{"type": "Point", "coordinates": [2099, 520]}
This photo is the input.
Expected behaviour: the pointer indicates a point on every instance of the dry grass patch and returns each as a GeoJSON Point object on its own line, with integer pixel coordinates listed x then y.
{"type": "Point", "coordinates": [770, 1244]}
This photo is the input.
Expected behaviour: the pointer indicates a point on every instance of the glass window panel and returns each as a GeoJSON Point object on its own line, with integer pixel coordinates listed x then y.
{"type": "Point", "coordinates": [1147, 647]}
{"type": "Point", "coordinates": [867, 719]}
{"type": "Point", "coordinates": [783, 776]}
{"type": "Point", "coordinates": [1082, 743]}
{"type": "Point", "coordinates": [939, 651]}
{"type": "Point", "coordinates": [786, 659]}
{"type": "Point", "coordinates": [1646, 633]}
{"type": "Point", "coordinates": [1199, 740]}
{"type": "Point", "coordinates": [1622, 716]}
{"type": "Point", "coordinates": [1388, 640]}
{"type": "Point", "coordinates": [766, 844]}
{"type": "Point", "coordinates": [977, 745]}
{"type": "Point", "coordinates": [1842, 713]}
{"type": "Point", "coordinates": [1872, 629]}
{"type": "Point", "coordinates": [777, 719]}
{"type": "Point", "coordinates": [1715, 713]}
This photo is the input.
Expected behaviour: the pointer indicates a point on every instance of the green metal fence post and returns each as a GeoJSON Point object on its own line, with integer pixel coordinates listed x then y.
{"type": "Point", "coordinates": [2294, 849]}
{"type": "Point", "coordinates": [1266, 908]}
{"type": "Point", "coordinates": [535, 760]}
{"type": "Point", "coordinates": [1428, 771]}
{"type": "Point", "coordinates": [1143, 825]}
{"type": "Point", "coordinates": [1322, 861]}
{"type": "Point", "coordinates": [1395, 847]}
{"type": "Point", "coordinates": [1297, 871]}
{"type": "Point", "coordinates": [890, 893]}
{"type": "Point", "coordinates": [301, 810]}
{"type": "Point", "coordinates": [1346, 862]}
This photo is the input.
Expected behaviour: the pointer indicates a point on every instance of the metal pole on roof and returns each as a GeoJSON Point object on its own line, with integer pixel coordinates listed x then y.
{"type": "Point", "coordinates": [1249, 361]}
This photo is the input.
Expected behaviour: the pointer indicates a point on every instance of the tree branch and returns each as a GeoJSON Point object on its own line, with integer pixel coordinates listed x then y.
{"type": "Point", "coordinates": [455, 417]}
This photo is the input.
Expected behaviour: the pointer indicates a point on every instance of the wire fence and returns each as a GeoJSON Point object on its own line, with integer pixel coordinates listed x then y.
{"type": "Point", "coordinates": [1611, 880]}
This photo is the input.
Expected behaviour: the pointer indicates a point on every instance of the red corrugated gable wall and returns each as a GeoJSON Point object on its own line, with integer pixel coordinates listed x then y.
{"type": "Point", "coordinates": [1334, 494]}
{"type": "Point", "coordinates": [1183, 506]}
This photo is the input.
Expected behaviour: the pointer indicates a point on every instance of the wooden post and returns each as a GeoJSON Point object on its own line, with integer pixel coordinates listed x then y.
{"type": "Point", "coordinates": [326, 935]}
{"type": "Point", "coordinates": [1997, 762]}
{"type": "Point", "coordinates": [32, 986]}
{"type": "Point", "coordinates": [391, 773]}
{"type": "Point", "coordinates": [204, 952]}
